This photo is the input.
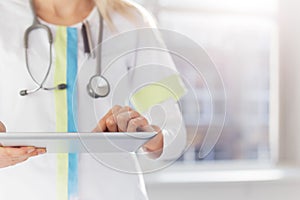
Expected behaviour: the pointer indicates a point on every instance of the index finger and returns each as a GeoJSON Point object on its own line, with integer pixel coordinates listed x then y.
{"type": "Point", "coordinates": [101, 126]}
{"type": "Point", "coordinates": [18, 151]}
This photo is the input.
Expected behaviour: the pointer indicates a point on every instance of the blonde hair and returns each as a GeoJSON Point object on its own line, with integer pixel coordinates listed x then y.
{"type": "Point", "coordinates": [126, 8]}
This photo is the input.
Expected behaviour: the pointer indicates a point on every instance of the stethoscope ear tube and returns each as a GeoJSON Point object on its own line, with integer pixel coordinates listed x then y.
{"type": "Point", "coordinates": [23, 93]}
{"type": "Point", "coordinates": [27, 92]}
{"type": "Point", "coordinates": [40, 85]}
{"type": "Point", "coordinates": [36, 26]}
{"type": "Point", "coordinates": [62, 86]}
{"type": "Point", "coordinates": [98, 85]}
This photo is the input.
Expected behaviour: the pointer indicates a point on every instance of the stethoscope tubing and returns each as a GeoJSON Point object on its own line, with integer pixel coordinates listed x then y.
{"type": "Point", "coordinates": [40, 85]}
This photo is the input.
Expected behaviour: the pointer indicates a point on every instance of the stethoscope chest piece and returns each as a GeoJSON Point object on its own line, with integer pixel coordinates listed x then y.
{"type": "Point", "coordinates": [98, 87]}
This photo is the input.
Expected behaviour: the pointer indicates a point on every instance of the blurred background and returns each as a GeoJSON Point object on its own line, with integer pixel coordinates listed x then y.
{"type": "Point", "coordinates": [238, 35]}
{"type": "Point", "coordinates": [255, 45]}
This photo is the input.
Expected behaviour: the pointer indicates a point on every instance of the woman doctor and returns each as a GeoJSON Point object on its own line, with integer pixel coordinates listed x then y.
{"type": "Point", "coordinates": [62, 177]}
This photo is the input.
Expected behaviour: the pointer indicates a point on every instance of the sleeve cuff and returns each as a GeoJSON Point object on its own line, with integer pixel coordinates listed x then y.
{"type": "Point", "coordinates": [172, 149]}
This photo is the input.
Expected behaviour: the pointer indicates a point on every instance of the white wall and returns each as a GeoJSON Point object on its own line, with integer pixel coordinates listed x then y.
{"type": "Point", "coordinates": [245, 181]}
{"type": "Point", "coordinates": [289, 19]}
{"type": "Point", "coordinates": [229, 191]}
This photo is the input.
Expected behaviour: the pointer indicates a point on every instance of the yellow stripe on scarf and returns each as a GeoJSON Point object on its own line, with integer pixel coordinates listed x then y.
{"type": "Point", "coordinates": [61, 110]}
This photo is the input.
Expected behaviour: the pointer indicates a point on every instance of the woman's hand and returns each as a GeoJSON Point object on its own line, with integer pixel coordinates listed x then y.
{"type": "Point", "coordinates": [13, 155]}
{"type": "Point", "coordinates": [124, 119]}
{"type": "Point", "coordinates": [2, 127]}
{"type": "Point", "coordinates": [10, 156]}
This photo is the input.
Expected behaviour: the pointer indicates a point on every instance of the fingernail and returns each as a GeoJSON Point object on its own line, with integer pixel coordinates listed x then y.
{"type": "Point", "coordinates": [30, 150]}
{"type": "Point", "coordinates": [41, 151]}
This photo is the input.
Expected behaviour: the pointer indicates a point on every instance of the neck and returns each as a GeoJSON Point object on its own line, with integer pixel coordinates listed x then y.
{"type": "Point", "coordinates": [63, 12]}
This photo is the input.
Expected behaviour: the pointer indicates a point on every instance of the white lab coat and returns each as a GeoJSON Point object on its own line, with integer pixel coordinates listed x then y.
{"type": "Point", "coordinates": [35, 179]}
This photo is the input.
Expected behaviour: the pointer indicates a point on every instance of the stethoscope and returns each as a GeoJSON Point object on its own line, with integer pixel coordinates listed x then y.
{"type": "Point", "coordinates": [98, 85]}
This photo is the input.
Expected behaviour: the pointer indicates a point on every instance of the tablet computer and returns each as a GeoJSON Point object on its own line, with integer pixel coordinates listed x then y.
{"type": "Point", "coordinates": [79, 142]}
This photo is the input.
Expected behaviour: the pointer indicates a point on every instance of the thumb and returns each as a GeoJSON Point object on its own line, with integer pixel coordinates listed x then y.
{"type": "Point", "coordinates": [2, 127]}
